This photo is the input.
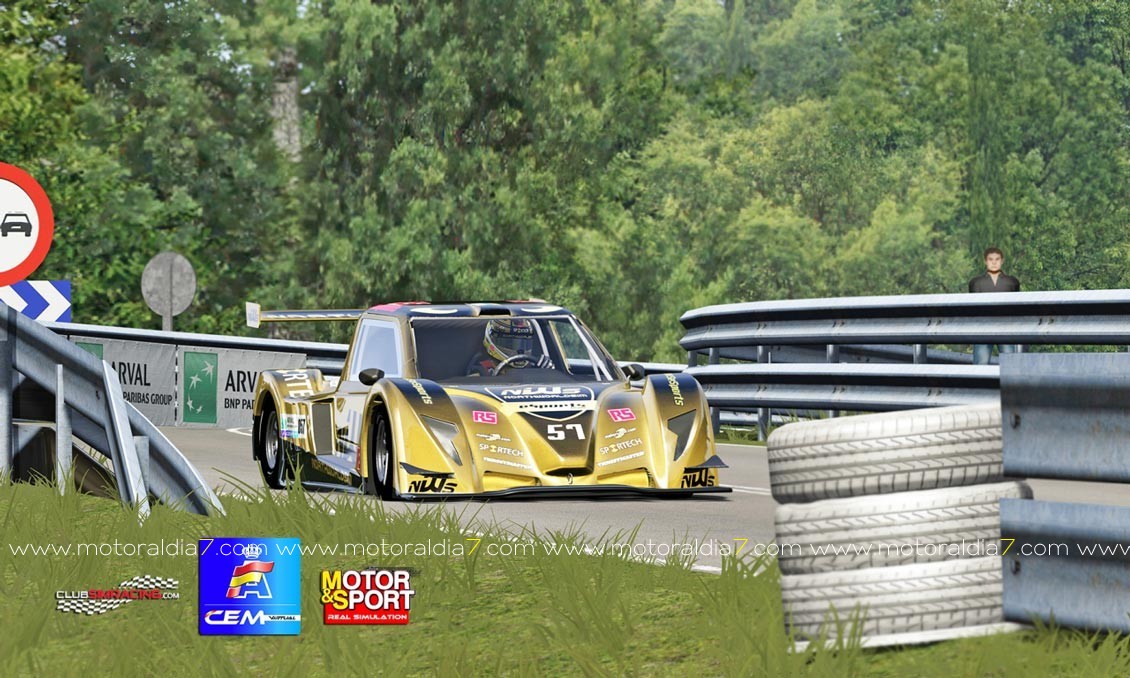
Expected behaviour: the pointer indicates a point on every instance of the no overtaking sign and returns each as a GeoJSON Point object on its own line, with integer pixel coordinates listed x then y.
{"type": "Point", "coordinates": [27, 224]}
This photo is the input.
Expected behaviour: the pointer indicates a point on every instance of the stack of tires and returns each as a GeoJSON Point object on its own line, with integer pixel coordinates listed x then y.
{"type": "Point", "coordinates": [890, 517]}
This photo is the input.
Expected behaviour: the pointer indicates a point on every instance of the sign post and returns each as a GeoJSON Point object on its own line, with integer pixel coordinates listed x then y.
{"type": "Point", "coordinates": [168, 285]}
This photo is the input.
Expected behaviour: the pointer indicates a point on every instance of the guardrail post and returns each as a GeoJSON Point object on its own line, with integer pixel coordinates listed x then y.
{"type": "Point", "coordinates": [832, 354]}
{"type": "Point", "coordinates": [141, 445]}
{"type": "Point", "coordinates": [715, 357]}
{"type": "Point", "coordinates": [764, 414]}
{"type": "Point", "coordinates": [7, 379]}
{"type": "Point", "coordinates": [921, 356]}
{"type": "Point", "coordinates": [692, 358]}
{"type": "Point", "coordinates": [127, 469]}
{"type": "Point", "coordinates": [62, 434]}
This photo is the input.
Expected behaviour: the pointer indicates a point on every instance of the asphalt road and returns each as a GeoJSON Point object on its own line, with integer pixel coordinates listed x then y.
{"type": "Point", "coordinates": [702, 524]}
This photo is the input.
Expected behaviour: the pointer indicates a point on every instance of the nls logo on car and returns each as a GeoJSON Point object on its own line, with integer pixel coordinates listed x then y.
{"type": "Point", "coordinates": [249, 586]}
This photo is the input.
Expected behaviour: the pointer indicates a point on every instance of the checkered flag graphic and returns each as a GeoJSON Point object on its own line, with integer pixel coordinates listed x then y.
{"type": "Point", "coordinates": [103, 605]}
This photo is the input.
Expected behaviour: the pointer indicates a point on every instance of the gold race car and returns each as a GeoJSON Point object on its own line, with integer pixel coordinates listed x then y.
{"type": "Point", "coordinates": [480, 399]}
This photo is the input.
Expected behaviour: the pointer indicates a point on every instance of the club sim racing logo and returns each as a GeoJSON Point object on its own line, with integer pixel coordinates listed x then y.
{"type": "Point", "coordinates": [99, 601]}
{"type": "Point", "coordinates": [199, 382]}
{"type": "Point", "coordinates": [249, 586]}
{"type": "Point", "coordinates": [377, 595]}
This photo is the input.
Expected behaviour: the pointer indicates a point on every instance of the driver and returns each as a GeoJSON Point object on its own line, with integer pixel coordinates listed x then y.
{"type": "Point", "coordinates": [503, 339]}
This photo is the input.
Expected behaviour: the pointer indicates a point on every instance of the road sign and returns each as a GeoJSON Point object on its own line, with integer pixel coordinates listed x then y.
{"type": "Point", "coordinates": [27, 224]}
{"type": "Point", "coordinates": [168, 285]}
{"type": "Point", "coordinates": [47, 301]}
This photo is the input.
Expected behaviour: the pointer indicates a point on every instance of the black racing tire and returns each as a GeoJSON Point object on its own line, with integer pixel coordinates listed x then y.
{"type": "Point", "coordinates": [952, 594]}
{"type": "Point", "coordinates": [271, 448]}
{"type": "Point", "coordinates": [381, 480]}
{"type": "Point", "coordinates": [884, 453]}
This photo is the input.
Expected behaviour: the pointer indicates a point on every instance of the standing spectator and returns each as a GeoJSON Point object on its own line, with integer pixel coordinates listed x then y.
{"type": "Point", "coordinates": [993, 280]}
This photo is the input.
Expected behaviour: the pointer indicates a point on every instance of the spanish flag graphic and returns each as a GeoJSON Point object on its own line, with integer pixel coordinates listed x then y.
{"type": "Point", "coordinates": [250, 572]}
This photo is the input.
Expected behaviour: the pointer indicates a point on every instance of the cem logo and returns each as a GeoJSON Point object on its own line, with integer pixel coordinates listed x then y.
{"type": "Point", "coordinates": [250, 579]}
{"type": "Point", "coordinates": [235, 617]}
{"type": "Point", "coordinates": [249, 586]}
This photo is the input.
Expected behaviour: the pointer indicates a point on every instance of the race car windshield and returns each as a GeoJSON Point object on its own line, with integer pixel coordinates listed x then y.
{"type": "Point", "coordinates": [509, 349]}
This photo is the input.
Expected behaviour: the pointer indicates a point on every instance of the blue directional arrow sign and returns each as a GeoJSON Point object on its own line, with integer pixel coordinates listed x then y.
{"type": "Point", "coordinates": [44, 300]}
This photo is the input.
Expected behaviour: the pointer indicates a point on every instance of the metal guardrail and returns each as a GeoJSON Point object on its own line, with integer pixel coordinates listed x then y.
{"type": "Point", "coordinates": [1082, 317]}
{"type": "Point", "coordinates": [834, 347]}
{"type": "Point", "coordinates": [846, 387]}
{"type": "Point", "coordinates": [846, 353]}
{"type": "Point", "coordinates": [1067, 562]}
{"type": "Point", "coordinates": [54, 380]}
{"type": "Point", "coordinates": [163, 379]}
{"type": "Point", "coordinates": [325, 356]}
{"type": "Point", "coordinates": [1067, 416]}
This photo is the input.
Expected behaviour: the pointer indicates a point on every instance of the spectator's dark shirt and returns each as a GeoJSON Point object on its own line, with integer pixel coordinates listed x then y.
{"type": "Point", "coordinates": [984, 283]}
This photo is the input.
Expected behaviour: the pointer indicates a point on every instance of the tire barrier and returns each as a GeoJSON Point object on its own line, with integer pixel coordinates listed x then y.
{"type": "Point", "coordinates": [889, 452]}
{"type": "Point", "coordinates": [903, 528]}
{"type": "Point", "coordinates": [896, 524]}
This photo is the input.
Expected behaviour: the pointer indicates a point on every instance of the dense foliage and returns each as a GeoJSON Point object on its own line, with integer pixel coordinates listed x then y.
{"type": "Point", "coordinates": [631, 159]}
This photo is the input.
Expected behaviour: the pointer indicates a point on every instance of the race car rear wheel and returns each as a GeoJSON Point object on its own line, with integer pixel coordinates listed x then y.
{"type": "Point", "coordinates": [271, 451]}
{"type": "Point", "coordinates": [381, 480]}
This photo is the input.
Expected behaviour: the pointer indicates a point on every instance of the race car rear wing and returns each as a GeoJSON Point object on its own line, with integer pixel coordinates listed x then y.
{"type": "Point", "coordinates": [256, 316]}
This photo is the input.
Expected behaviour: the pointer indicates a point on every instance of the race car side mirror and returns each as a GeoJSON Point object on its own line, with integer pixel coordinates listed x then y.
{"type": "Point", "coordinates": [371, 376]}
{"type": "Point", "coordinates": [635, 371]}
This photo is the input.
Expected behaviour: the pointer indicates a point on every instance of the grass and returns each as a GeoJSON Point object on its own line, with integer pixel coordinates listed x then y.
{"type": "Point", "coordinates": [533, 614]}
{"type": "Point", "coordinates": [730, 435]}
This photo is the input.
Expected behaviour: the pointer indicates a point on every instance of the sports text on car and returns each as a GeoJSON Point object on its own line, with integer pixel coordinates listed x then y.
{"type": "Point", "coordinates": [480, 399]}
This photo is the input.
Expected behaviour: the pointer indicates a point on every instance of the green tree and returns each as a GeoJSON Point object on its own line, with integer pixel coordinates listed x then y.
{"type": "Point", "coordinates": [185, 101]}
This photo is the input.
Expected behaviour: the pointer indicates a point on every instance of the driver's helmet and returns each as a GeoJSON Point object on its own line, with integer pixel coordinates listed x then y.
{"type": "Point", "coordinates": [508, 337]}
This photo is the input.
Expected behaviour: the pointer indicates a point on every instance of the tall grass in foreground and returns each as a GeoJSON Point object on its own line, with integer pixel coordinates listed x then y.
{"type": "Point", "coordinates": [474, 614]}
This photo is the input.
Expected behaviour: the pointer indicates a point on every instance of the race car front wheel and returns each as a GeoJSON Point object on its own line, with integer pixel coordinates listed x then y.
{"type": "Point", "coordinates": [271, 449]}
{"type": "Point", "coordinates": [381, 480]}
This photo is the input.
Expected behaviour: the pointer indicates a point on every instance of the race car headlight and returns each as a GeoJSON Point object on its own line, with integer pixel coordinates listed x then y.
{"type": "Point", "coordinates": [681, 426]}
{"type": "Point", "coordinates": [445, 433]}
